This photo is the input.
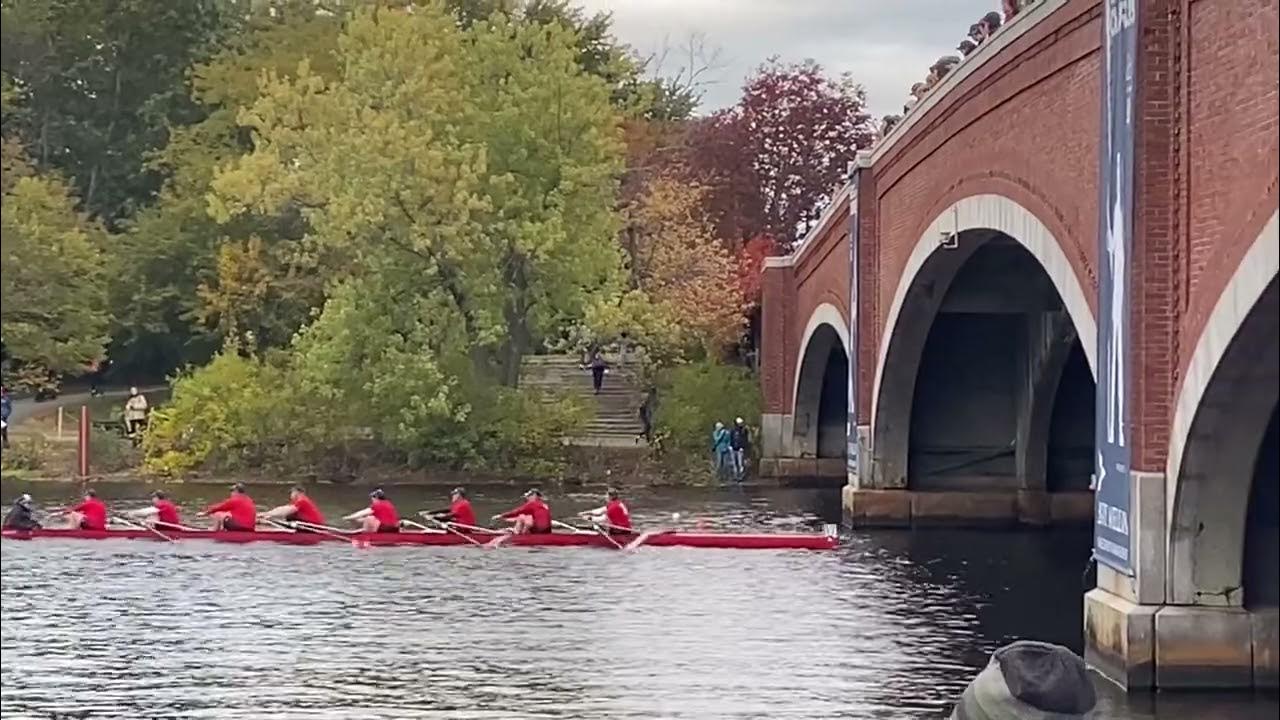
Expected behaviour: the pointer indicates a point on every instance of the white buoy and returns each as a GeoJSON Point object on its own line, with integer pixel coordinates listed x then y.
{"type": "Point", "coordinates": [675, 517]}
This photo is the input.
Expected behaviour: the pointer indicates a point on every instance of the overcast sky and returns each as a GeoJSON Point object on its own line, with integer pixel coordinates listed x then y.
{"type": "Point", "coordinates": [885, 44]}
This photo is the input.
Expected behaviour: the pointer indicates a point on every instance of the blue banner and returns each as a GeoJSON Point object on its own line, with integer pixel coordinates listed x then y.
{"type": "Point", "coordinates": [1112, 544]}
{"type": "Point", "coordinates": [851, 453]}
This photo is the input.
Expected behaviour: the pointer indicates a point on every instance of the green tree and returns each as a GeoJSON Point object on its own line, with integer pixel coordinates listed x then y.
{"type": "Point", "coordinates": [52, 309]}
{"type": "Point", "coordinates": [485, 158]}
{"type": "Point", "coordinates": [99, 83]}
{"type": "Point", "coordinates": [178, 291]}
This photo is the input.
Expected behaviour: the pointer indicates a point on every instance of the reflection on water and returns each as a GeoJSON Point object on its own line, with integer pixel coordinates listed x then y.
{"type": "Point", "coordinates": [893, 625]}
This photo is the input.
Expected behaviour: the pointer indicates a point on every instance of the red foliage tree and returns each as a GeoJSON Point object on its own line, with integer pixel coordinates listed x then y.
{"type": "Point", "coordinates": [750, 260]}
{"type": "Point", "coordinates": [773, 160]}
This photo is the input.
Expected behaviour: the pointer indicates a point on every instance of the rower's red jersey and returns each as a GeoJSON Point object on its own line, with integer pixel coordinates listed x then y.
{"type": "Point", "coordinates": [616, 514]}
{"type": "Point", "coordinates": [460, 512]}
{"type": "Point", "coordinates": [167, 512]}
{"type": "Point", "coordinates": [385, 512]}
{"type": "Point", "coordinates": [94, 512]}
{"type": "Point", "coordinates": [535, 508]}
{"type": "Point", "coordinates": [241, 509]}
{"type": "Point", "coordinates": [306, 511]}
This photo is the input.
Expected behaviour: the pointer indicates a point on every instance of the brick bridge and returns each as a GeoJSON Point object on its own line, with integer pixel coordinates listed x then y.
{"type": "Point", "coordinates": [953, 379]}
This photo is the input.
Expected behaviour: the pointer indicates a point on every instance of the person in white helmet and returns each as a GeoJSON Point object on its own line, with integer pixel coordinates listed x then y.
{"type": "Point", "coordinates": [740, 444]}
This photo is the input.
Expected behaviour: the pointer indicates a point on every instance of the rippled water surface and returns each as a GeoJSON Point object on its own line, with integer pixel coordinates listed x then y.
{"type": "Point", "coordinates": [892, 625]}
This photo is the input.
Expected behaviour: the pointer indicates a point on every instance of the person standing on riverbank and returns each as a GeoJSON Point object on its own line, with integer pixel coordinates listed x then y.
{"type": "Point", "coordinates": [720, 448]}
{"type": "Point", "coordinates": [740, 446]}
{"type": "Point", "coordinates": [135, 414]}
{"type": "Point", "coordinates": [6, 409]}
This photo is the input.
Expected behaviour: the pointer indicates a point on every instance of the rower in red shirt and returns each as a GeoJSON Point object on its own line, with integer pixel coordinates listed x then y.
{"type": "Point", "coordinates": [379, 517]}
{"type": "Point", "coordinates": [298, 509]}
{"type": "Point", "coordinates": [91, 514]}
{"type": "Point", "coordinates": [612, 516]}
{"type": "Point", "coordinates": [534, 516]}
{"type": "Point", "coordinates": [162, 513]}
{"type": "Point", "coordinates": [459, 511]}
{"type": "Point", "coordinates": [235, 513]}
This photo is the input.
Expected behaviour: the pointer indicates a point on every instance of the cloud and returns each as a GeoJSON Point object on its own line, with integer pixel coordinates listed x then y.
{"type": "Point", "coordinates": [885, 46]}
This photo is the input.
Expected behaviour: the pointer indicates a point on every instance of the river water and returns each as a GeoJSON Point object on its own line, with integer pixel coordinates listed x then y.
{"type": "Point", "coordinates": [892, 625]}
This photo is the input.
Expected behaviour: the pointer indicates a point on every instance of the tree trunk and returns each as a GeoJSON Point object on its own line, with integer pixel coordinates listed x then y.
{"type": "Point", "coordinates": [516, 313]}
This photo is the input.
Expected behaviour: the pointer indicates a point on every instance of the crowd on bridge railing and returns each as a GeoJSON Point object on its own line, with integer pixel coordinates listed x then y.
{"type": "Point", "coordinates": [979, 32]}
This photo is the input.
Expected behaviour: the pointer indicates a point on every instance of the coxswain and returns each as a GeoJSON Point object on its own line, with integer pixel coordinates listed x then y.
{"type": "Point", "coordinates": [21, 516]}
{"type": "Point", "coordinates": [534, 516]}
{"type": "Point", "coordinates": [162, 513]}
{"type": "Point", "coordinates": [612, 516]}
{"type": "Point", "coordinates": [90, 514]}
{"type": "Point", "coordinates": [379, 517]}
{"type": "Point", "coordinates": [298, 509]}
{"type": "Point", "coordinates": [237, 512]}
{"type": "Point", "coordinates": [459, 510]}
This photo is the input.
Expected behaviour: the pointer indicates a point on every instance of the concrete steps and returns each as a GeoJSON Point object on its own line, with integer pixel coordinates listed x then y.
{"type": "Point", "coordinates": [615, 421]}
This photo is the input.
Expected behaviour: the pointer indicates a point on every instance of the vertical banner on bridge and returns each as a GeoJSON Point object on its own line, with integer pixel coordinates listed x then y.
{"type": "Point", "coordinates": [851, 452]}
{"type": "Point", "coordinates": [1112, 544]}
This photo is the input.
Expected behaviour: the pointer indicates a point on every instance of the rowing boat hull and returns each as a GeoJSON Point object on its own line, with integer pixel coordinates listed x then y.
{"type": "Point", "coordinates": [739, 541]}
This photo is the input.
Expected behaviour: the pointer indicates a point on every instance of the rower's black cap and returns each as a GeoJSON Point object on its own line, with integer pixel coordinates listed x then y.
{"type": "Point", "coordinates": [532, 492]}
{"type": "Point", "coordinates": [238, 488]}
{"type": "Point", "coordinates": [158, 494]}
{"type": "Point", "coordinates": [611, 493]}
{"type": "Point", "coordinates": [377, 493]}
{"type": "Point", "coordinates": [459, 491]}
{"type": "Point", "coordinates": [90, 492]}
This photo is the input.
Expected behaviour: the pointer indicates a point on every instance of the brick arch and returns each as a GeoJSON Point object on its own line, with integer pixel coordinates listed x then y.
{"type": "Point", "coordinates": [901, 347]}
{"type": "Point", "coordinates": [1231, 373]}
{"type": "Point", "coordinates": [826, 327]}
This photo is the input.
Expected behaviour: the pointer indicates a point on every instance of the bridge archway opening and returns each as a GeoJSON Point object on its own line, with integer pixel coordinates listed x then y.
{"type": "Point", "coordinates": [1225, 529]}
{"type": "Point", "coordinates": [822, 396]}
{"type": "Point", "coordinates": [988, 385]}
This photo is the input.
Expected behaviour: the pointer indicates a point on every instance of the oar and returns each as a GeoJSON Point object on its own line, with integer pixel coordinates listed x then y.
{"type": "Point", "coordinates": [448, 527]}
{"type": "Point", "coordinates": [574, 528]}
{"type": "Point", "coordinates": [497, 541]}
{"type": "Point", "coordinates": [605, 533]}
{"type": "Point", "coordinates": [142, 526]}
{"type": "Point", "coordinates": [420, 526]}
{"type": "Point", "coordinates": [317, 529]}
{"type": "Point", "coordinates": [475, 528]}
{"type": "Point", "coordinates": [323, 529]}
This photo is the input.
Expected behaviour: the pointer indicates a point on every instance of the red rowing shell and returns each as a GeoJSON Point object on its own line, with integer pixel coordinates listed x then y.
{"type": "Point", "coordinates": [740, 541]}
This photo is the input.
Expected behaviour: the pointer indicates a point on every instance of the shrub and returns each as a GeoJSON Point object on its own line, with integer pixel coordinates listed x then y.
{"type": "Point", "coordinates": [693, 398]}
{"type": "Point", "coordinates": [108, 452]}
{"type": "Point", "coordinates": [26, 453]}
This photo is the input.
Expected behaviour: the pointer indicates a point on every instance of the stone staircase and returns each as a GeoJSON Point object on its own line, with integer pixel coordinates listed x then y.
{"type": "Point", "coordinates": [616, 422]}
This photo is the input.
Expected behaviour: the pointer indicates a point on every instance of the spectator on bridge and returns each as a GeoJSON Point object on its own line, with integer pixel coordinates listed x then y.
{"type": "Point", "coordinates": [989, 24]}
{"type": "Point", "coordinates": [1010, 8]}
{"type": "Point", "coordinates": [966, 47]}
{"type": "Point", "coordinates": [888, 122]}
{"type": "Point", "coordinates": [917, 93]}
{"type": "Point", "coordinates": [975, 34]}
{"type": "Point", "coordinates": [943, 66]}
{"type": "Point", "coordinates": [1028, 679]}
